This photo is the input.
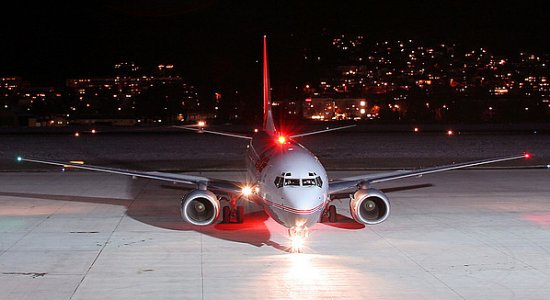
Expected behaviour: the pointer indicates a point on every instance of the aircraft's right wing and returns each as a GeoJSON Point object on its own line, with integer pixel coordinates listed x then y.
{"type": "Point", "coordinates": [232, 187]}
{"type": "Point", "coordinates": [352, 182]}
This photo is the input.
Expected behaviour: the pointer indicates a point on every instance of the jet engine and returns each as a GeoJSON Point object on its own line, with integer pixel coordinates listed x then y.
{"type": "Point", "coordinates": [200, 207]}
{"type": "Point", "coordinates": [369, 206]}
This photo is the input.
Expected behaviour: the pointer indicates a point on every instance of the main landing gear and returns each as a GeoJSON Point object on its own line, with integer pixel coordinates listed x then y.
{"type": "Point", "coordinates": [232, 213]}
{"type": "Point", "coordinates": [330, 214]}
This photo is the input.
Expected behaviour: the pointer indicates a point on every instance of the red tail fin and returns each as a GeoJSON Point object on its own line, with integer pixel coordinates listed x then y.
{"type": "Point", "coordinates": [269, 125]}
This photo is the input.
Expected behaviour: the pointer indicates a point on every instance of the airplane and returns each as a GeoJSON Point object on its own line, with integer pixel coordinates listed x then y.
{"type": "Point", "coordinates": [284, 178]}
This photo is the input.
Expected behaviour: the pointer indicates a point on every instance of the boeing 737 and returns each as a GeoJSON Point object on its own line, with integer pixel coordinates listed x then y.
{"type": "Point", "coordinates": [284, 178]}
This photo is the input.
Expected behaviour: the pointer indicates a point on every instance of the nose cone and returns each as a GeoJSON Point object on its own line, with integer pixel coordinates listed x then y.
{"type": "Point", "coordinates": [303, 199]}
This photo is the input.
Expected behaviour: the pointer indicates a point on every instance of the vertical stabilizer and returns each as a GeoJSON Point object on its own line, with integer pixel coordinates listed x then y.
{"type": "Point", "coordinates": [269, 126]}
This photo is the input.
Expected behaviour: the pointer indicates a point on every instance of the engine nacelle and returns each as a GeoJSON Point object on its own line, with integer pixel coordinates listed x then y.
{"type": "Point", "coordinates": [369, 206]}
{"type": "Point", "coordinates": [200, 208]}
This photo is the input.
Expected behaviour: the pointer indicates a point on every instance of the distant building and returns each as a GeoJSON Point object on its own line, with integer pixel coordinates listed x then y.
{"type": "Point", "coordinates": [327, 109]}
{"type": "Point", "coordinates": [158, 96]}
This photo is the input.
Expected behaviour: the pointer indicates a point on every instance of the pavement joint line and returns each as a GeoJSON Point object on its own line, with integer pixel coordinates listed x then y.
{"type": "Point", "coordinates": [419, 265]}
{"type": "Point", "coordinates": [107, 242]}
{"type": "Point", "coordinates": [32, 230]}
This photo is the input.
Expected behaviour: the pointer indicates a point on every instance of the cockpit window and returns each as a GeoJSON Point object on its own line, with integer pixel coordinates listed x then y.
{"type": "Point", "coordinates": [309, 182]}
{"type": "Point", "coordinates": [281, 181]}
{"type": "Point", "coordinates": [292, 182]}
{"type": "Point", "coordinates": [278, 181]}
{"type": "Point", "coordinates": [319, 181]}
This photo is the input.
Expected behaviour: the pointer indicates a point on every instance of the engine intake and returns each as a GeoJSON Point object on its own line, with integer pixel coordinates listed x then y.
{"type": "Point", "coordinates": [369, 206]}
{"type": "Point", "coordinates": [200, 207]}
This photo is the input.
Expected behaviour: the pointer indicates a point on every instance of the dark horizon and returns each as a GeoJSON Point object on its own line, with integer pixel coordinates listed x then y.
{"type": "Point", "coordinates": [217, 42]}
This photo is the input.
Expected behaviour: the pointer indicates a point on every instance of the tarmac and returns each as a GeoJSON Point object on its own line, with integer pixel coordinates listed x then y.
{"type": "Point", "coordinates": [469, 234]}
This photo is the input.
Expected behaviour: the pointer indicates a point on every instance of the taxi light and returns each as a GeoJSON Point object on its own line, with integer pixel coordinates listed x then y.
{"type": "Point", "coordinates": [297, 243]}
{"type": "Point", "coordinates": [281, 139]}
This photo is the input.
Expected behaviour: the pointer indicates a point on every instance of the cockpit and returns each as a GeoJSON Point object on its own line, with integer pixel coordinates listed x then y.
{"type": "Point", "coordinates": [286, 179]}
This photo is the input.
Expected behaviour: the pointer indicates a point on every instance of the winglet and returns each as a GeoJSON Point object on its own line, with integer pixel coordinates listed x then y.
{"type": "Point", "coordinates": [269, 125]}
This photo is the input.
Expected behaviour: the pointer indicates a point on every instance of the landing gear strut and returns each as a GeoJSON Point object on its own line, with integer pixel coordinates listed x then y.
{"type": "Point", "coordinates": [232, 213]}
{"type": "Point", "coordinates": [330, 214]}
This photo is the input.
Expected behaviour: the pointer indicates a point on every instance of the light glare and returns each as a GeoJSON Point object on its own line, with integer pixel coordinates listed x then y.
{"type": "Point", "coordinates": [246, 191]}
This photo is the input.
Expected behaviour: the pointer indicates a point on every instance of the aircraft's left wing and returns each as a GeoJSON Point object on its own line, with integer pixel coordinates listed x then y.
{"type": "Point", "coordinates": [352, 182]}
{"type": "Point", "coordinates": [220, 185]}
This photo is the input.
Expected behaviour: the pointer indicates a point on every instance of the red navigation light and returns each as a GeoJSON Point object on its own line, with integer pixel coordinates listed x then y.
{"type": "Point", "coordinates": [527, 155]}
{"type": "Point", "coordinates": [281, 139]}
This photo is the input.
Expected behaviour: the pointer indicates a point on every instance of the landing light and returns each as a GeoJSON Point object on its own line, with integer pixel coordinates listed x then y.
{"type": "Point", "coordinates": [246, 191]}
{"type": "Point", "coordinates": [450, 132]}
{"type": "Point", "coordinates": [19, 158]}
{"type": "Point", "coordinates": [201, 123]}
{"type": "Point", "coordinates": [93, 131]}
{"type": "Point", "coordinates": [416, 129]}
{"type": "Point", "coordinates": [281, 140]}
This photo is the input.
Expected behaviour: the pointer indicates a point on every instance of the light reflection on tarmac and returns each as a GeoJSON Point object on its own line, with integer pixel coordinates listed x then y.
{"type": "Point", "coordinates": [474, 234]}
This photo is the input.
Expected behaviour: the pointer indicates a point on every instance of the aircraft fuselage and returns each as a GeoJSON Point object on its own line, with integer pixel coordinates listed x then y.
{"type": "Point", "coordinates": [292, 185]}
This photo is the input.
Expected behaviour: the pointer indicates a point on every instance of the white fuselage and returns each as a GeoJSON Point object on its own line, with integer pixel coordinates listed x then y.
{"type": "Point", "coordinates": [292, 185]}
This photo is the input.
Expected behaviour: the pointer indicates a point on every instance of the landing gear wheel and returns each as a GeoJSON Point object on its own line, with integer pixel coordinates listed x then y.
{"type": "Point", "coordinates": [226, 215]}
{"type": "Point", "coordinates": [239, 216]}
{"type": "Point", "coordinates": [332, 214]}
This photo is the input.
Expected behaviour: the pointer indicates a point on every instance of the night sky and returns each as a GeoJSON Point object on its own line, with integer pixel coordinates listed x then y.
{"type": "Point", "coordinates": [218, 42]}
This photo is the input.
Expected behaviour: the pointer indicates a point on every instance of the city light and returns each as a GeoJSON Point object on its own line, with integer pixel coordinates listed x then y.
{"type": "Point", "coordinates": [77, 134]}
